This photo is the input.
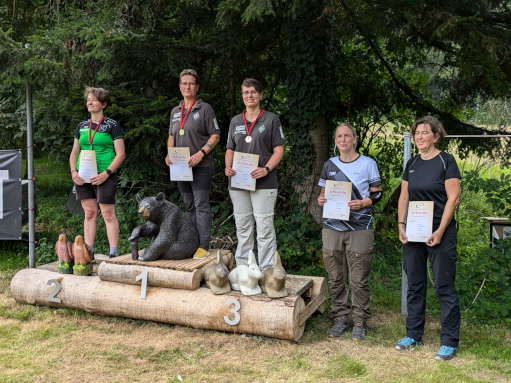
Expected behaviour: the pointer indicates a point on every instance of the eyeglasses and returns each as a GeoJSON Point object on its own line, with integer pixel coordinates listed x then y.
{"type": "Point", "coordinates": [185, 84]}
{"type": "Point", "coordinates": [252, 93]}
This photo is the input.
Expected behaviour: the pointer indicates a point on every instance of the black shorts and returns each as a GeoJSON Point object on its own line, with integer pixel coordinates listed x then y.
{"type": "Point", "coordinates": [104, 193]}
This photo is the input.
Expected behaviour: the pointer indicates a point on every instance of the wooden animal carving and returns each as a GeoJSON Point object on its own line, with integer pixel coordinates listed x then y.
{"type": "Point", "coordinates": [245, 278]}
{"type": "Point", "coordinates": [173, 235]}
{"type": "Point", "coordinates": [273, 281]}
{"type": "Point", "coordinates": [83, 257]}
{"type": "Point", "coordinates": [64, 250]}
{"type": "Point", "coordinates": [216, 276]}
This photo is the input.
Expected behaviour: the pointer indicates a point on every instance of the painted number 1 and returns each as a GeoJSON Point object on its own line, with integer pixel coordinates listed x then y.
{"type": "Point", "coordinates": [55, 291]}
{"type": "Point", "coordinates": [234, 310]}
{"type": "Point", "coordinates": [143, 277]}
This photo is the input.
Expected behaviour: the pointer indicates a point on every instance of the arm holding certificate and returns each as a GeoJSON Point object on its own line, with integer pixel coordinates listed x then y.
{"type": "Point", "coordinates": [243, 165]}
{"type": "Point", "coordinates": [180, 170]}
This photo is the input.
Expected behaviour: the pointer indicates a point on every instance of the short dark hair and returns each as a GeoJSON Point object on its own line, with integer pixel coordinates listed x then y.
{"type": "Point", "coordinates": [190, 72]}
{"type": "Point", "coordinates": [248, 82]}
{"type": "Point", "coordinates": [435, 126]}
{"type": "Point", "coordinates": [101, 94]}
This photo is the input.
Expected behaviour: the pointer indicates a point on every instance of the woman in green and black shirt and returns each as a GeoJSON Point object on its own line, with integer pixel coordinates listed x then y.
{"type": "Point", "coordinates": [104, 136]}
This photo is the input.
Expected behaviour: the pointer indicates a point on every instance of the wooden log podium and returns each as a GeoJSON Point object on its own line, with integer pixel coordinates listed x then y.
{"type": "Point", "coordinates": [282, 318]}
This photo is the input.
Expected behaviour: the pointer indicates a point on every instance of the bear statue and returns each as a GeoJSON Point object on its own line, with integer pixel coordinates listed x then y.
{"type": "Point", "coordinates": [174, 236]}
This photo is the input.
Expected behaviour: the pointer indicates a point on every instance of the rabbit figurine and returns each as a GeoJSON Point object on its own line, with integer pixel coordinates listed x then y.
{"type": "Point", "coordinates": [273, 281]}
{"type": "Point", "coordinates": [245, 278]}
{"type": "Point", "coordinates": [216, 276]}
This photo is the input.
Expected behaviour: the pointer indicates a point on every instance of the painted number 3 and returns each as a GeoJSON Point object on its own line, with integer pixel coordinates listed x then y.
{"type": "Point", "coordinates": [55, 291]}
{"type": "Point", "coordinates": [234, 311]}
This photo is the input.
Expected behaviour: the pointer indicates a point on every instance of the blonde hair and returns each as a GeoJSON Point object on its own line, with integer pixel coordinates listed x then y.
{"type": "Point", "coordinates": [190, 72]}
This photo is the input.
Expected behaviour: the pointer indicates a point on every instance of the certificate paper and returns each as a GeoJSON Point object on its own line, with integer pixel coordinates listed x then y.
{"type": "Point", "coordinates": [337, 195]}
{"type": "Point", "coordinates": [419, 223]}
{"type": "Point", "coordinates": [179, 169]}
{"type": "Point", "coordinates": [88, 167]}
{"type": "Point", "coordinates": [243, 164]}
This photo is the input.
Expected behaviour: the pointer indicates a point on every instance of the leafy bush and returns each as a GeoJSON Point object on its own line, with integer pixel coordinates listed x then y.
{"type": "Point", "coordinates": [485, 281]}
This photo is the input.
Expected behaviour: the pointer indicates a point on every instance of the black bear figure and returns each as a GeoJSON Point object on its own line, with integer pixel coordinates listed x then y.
{"type": "Point", "coordinates": [174, 236]}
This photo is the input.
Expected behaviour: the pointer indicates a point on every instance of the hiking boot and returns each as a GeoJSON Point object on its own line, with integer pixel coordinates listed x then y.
{"type": "Point", "coordinates": [113, 255]}
{"type": "Point", "coordinates": [446, 353]}
{"type": "Point", "coordinates": [407, 343]}
{"type": "Point", "coordinates": [200, 253]}
{"type": "Point", "coordinates": [359, 331]}
{"type": "Point", "coordinates": [340, 326]}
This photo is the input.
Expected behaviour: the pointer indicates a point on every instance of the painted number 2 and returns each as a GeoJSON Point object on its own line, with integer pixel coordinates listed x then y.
{"type": "Point", "coordinates": [143, 277]}
{"type": "Point", "coordinates": [51, 297]}
{"type": "Point", "coordinates": [234, 310]}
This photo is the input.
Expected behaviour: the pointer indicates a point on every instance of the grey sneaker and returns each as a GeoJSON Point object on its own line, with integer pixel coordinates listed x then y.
{"type": "Point", "coordinates": [340, 326]}
{"type": "Point", "coordinates": [359, 331]}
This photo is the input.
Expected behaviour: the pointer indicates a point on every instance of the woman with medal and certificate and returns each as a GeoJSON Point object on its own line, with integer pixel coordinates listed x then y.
{"type": "Point", "coordinates": [430, 187]}
{"type": "Point", "coordinates": [193, 132]}
{"type": "Point", "coordinates": [255, 146]}
{"type": "Point", "coordinates": [97, 153]}
{"type": "Point", "coordinates": [350, 184]}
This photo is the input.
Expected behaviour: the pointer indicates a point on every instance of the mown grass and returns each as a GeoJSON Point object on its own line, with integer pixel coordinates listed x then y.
{"type": "Point", "coordinates": [44, 344]}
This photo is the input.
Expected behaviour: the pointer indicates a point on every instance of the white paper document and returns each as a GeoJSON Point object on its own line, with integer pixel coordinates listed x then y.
{"type": "Point", "coordinates": [337, 194]}
{"type": "Point", "coordinates": [88, 166]}
{"type": "Point", "coordinates": [243, 164]}
{"type": "Point", "coordinates": [179, 169]}
{"type": "Point", "coordinates": [419, 222]}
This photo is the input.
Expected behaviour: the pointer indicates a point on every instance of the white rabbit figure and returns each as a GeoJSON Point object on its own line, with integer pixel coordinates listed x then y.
{"type": "Point", "coordinates": [245, 278]}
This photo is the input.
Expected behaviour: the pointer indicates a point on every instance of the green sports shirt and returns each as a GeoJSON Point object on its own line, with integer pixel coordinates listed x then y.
{"type": "Point", "coordinates": [103, 142]}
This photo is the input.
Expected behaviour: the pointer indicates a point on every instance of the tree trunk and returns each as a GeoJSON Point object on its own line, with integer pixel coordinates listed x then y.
{"type": "Point", "coordinates": [308, 188]}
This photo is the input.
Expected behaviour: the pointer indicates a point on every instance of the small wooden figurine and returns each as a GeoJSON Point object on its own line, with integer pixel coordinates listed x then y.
{"type": "Point", "coordinates": [64, 250]}
{"type": "Point", "coordinates": [216, 276]}
{"type": "Point", "coordinates": [245, 278]}
{"type": "Point", "coordinates": [83, 257]}
{"type": "Point", "coordinates": [273, 281]}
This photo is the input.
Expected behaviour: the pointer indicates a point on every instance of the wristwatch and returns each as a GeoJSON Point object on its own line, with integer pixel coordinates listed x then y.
{"type": "Point", "coordinates": [108, 171]}
{"type": "Point", "coordinates": [267, 169]}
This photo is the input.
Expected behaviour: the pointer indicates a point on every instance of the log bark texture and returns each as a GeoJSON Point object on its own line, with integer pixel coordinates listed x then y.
{"type": "Point", "coordinates": [308, 188]}
{"type": "Point", "coordinates": [259, 315]}
{"type": "Point", "coordinates": [174, 279]}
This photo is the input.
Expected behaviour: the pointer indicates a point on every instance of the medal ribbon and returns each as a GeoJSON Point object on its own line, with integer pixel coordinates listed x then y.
{"type": "Point", "coordinates": [95, 130]}
{"type": "Point", "coordinates": [181, 120]}
{"type": "Point", "coordinates": [253, 124]}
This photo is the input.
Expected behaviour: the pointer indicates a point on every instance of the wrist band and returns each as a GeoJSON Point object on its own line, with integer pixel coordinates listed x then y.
{"type": "Point", "coordinates": [203, 151]}
{"type": "Point", "coordinates": [74, 170]}
{"type": "Point", "coordinates": [402, 223]}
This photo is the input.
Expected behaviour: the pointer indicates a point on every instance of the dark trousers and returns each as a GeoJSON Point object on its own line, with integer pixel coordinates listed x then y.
{"type": "Point", "coordinates": [196, 198]}
{"type": "Point", "coordinates": [443, 264]}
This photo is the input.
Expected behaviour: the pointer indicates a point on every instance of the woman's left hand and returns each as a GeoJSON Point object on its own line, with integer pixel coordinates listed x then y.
{"type": "Point", "coordinates": [259, 173]}
{"type": "Point", "coordinates": [435, 238]}
{"type": "Point", "coordinates": [356, 204]}
{"type": "Point", "coordinates": [99, 179]}
{"type": "Point", "coordinates": [195, 159]}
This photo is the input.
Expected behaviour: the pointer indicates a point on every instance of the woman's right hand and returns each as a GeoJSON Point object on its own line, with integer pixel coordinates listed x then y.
{"type": "Point", "coordinates": [229, 172]}
{"type": "Point", "coordinates": [77, 179]}
{"type": "Point", "coordinates": [321, 200]}
{"type": "Point", "coordinates": [168, 161]}
{"type": "Point", "coordinates": [402, 234]}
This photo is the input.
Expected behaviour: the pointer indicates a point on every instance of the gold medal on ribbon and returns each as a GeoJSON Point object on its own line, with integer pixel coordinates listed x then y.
{"type": "Point", "coordinates": [181, 132]}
